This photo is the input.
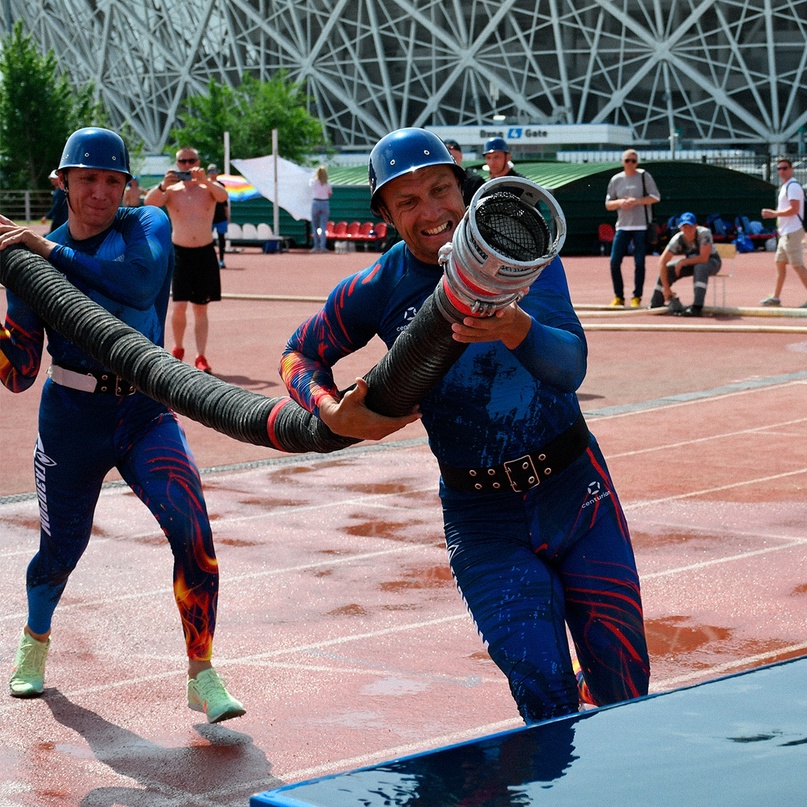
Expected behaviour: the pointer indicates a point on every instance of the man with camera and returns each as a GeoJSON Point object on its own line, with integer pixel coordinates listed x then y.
{"type": "Point", "coordinates": [190, 198]}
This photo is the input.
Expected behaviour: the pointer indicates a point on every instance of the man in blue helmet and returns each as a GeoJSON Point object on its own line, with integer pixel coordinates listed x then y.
{"type": "Point", "coordinates": [497, 157]}
{"type": "Point", "coordinates": [529, 559]}
{"type": "Point", "coordinates": [91, 421]}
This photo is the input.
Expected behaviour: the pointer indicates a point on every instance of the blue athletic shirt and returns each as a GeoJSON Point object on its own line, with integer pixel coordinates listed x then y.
{"type": "Point", "coordinates": [132, 261]}
{"type": "Point", "coordinates": [494, 404]}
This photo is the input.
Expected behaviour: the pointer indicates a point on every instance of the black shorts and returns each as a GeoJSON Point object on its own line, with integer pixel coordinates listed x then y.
{"type": "Point", "coordinates": [197, 278]}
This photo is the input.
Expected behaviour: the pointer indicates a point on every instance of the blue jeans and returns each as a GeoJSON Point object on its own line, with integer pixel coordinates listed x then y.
{"type": "Point", "coordinates": [619, 249]}
{"type": "Point", "coordinates": [320, 210]}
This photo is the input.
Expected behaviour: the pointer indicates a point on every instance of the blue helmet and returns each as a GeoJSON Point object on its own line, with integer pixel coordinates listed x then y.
{"type": "Point", "coordinates": [402, 152]}
{"type": "Point", "coordinates": [92, 147]}
{"type": "Point", "coordinates": [496, 144]}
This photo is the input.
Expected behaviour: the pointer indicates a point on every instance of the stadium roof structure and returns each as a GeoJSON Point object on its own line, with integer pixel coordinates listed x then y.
{"type": "Point", "coordinates": [714, 73]}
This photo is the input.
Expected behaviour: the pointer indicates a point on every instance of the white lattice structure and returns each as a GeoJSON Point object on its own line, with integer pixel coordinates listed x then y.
{"type": "Point", "coordinates": [720, 72]}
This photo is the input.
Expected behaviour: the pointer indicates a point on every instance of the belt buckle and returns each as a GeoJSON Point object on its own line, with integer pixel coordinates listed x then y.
{"type": "Point", "coordinates": [123, 388]}
{"type": "Point", "coordinates": [522, 474]}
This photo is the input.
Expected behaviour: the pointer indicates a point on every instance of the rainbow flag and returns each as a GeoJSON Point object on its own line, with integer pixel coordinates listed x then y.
{"type": "Point", "coordinates": [238, 188]}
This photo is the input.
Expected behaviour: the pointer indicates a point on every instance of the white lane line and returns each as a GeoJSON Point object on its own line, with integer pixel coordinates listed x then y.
{"type": "Point", "coordinates": [671, 402]}
{"type": "Point", "coordinates": [706, 439]}
{"type": "Point", "coordinates": [716, 489]}
{"type": "Point", "coordinates": [235, 578]}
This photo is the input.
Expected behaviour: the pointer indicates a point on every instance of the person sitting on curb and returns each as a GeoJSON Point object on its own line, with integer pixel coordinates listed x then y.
{"type": "Point", "coordinates": [690, 253]}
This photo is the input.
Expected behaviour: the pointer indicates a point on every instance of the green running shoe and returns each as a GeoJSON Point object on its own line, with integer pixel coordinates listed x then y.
{"type": "Point", "coordinates": [206, 693]}
{"type": "Point", "coordinates": [28, 676]}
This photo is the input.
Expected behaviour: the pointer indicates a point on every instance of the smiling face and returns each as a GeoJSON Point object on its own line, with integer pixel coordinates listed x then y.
{"type": "Point", "coordinates": [94, 196]}
{"type": "Point", "coordinates": [425, 208]}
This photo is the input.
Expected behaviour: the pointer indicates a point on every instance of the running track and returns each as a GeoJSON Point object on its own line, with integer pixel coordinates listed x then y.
{"type": "Point", "coordinates": [339, 625]}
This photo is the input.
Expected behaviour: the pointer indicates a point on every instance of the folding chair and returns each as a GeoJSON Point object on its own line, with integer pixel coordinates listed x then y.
{"type": "Point", "coordinates": [727, 253]}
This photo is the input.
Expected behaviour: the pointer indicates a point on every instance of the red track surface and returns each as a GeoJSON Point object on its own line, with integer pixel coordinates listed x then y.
{"type": "Point", "coordinates": [339, 626]}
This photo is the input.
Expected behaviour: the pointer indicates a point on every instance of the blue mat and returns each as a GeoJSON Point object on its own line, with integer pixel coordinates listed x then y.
{"type": "Point", "coordinates": [739, 741]}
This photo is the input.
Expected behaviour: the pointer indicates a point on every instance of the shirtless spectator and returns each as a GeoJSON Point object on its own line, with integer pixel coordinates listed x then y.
{"type": "Point", "coordinates": [190, 199]}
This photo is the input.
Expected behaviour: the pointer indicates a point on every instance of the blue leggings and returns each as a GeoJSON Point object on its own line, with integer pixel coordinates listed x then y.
{"type": "Point", "coordinates": [528, 565]}
{"type": "Point", "coordinates": [81, 437]}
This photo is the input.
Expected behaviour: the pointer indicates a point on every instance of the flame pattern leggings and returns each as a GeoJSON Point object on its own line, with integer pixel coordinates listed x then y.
{"type": "Point", "coordinates": [81, 437]}
{"type": "Point", "coordinates": [530, 565]}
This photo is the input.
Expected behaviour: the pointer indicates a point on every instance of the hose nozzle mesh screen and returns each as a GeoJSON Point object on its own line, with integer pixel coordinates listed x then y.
{"type": "Point", "coordinates": [511, 230]}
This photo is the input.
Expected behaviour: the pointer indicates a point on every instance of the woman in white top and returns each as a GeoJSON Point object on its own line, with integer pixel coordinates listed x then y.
{"type": "Point", "coordinates": [320, 207]}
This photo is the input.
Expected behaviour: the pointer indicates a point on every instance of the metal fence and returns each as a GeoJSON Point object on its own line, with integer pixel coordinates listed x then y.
{"type": "Point", "coordinates": [25, 206]}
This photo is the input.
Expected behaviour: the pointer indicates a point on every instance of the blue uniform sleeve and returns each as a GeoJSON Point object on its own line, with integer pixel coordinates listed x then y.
{"type": "Point", "coordinates": [345, 324]}
{"type": "Point", "coordinates": [21, 345]}
{"type": "Point", "coordinates": [555, 350]}
{"type": "Point", "coordinates": [129, 278]}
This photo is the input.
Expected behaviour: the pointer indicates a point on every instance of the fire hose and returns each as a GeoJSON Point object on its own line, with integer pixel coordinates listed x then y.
{"type": "Point", "coordinates": [498, 250]}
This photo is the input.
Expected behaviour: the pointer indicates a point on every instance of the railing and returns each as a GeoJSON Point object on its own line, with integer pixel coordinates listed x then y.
{"type": "Point", "coordinates": [25, 206]}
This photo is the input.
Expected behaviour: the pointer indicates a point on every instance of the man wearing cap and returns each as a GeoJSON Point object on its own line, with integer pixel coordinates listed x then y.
{"type": "Point", "coordinates": [91, 421]}
{"type": "Point", "coordinates": [58, 204]}
{"type": "Point", "coordinates": [472, 182]}
{"type": "Point", "coordinates": [497, 157]}
{"type": "Point", "coordinates": [690, 253]}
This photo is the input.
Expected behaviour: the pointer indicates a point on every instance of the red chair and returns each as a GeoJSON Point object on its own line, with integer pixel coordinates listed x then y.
{"type": "Point", "coordinates": [381, 230]}
{"type": "Point", "coordinates": [353, 229]}
{"type": "Point", "coordinates": [366, 231]}
{"type": "Point", "coordinates": [329, 229]}
{"type": "Point", "coordinates": [605, 234]}
{"type": "Point", "coordinates": [340, 229]}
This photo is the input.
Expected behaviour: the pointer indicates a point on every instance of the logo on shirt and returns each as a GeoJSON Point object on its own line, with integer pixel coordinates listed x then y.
{"type": "Point", "coordinates": [594, 493]}
{"type": "Point", "coordinates": [408, 316]}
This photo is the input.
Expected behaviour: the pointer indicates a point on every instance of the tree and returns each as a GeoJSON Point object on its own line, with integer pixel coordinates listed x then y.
{"type": "Point", "coordinates": [39, 108]}
{"type": "Point", "coordinates": [249, 113]}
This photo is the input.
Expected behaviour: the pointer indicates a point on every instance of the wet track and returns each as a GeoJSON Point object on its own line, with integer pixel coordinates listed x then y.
{"type": "Point", "coordinates": [340, 628]}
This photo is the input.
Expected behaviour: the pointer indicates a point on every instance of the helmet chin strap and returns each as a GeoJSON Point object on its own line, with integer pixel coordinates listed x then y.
{"type": "Point", "coordinates": [66, 188]}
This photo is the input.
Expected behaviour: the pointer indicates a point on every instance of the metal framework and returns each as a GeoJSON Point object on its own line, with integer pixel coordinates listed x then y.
{"type": "Point", "coordinates": [714, 73]}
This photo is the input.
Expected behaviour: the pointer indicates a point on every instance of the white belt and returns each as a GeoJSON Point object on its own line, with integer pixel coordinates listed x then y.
{"type": "Point", "coordinates": [90, 382]}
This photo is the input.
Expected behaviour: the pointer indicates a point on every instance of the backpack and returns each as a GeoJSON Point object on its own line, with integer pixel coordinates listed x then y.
{"type": "Point", "coordinates": [804, 196]}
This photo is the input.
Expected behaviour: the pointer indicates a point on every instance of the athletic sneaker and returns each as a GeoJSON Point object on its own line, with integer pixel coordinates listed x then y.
{"type": "Point", "coordinates": [583, 692]}
{"type": "Point", "coordinates": [771, 301]}
{"type": "Point", "coordinates": [201, 364]}
{"type": "Point", "coordinates": [206, 693]}
{"type": "Point", "coordinates": [692, 311]}
{"type": "Point", "coordinates": [178, 353]}
{"type": "Point", "coordinates": [617, 302]}
{"type": "Point", "coordinates": [28, 675]}
{"type": "Point", "coordinates": [635, 302]}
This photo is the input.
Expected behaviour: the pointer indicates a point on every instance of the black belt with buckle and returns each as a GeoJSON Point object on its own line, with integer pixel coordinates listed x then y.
{"type": "Point", "coordinates": [114, 385]}
{"type": "Point", "coordinates": [523, 473]}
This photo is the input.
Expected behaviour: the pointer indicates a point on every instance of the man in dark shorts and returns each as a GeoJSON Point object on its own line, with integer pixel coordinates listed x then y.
{"type": "Point", "coordinates": [190, 198]}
